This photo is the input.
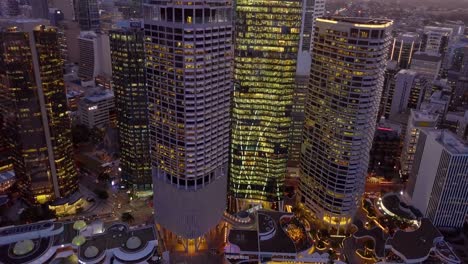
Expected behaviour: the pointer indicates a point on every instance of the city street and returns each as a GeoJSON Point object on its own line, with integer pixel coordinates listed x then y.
{"type": "Point", "coordinates": [112, 208]}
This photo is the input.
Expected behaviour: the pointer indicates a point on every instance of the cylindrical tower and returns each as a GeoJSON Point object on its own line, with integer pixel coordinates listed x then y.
{"type": "Point", "coordinates": [188, 67]}
{"type": "Point", "coordinates": [345, 85]}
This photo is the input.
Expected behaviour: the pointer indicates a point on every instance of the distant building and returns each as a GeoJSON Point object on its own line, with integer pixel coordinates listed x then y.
{"type": "Point", "coordinates": [88, 15]}
{"type": "Point", "coordinates": [311, 10]}
{"type": "Point", "coordinates": [34, 109]}
{"type": "Point", "coordinates": [94, 55]}
{"type": "Point", "coordinates": [98, 109]}
{"type": "Point", "coordinates": [66, 6]}
{"type": "Point", "coordinates": [9, 8]}
{"type": "Point", "coordinates": [427, 64]}
{"type": "Point", "coordinates": [297, 120]}
{"type": "Point", "coordinates": [403, 47]}
{"type": "Point", "coordinates": [131, 100]}
{"type": "Point", "coordinates": [438, 185]}
{"type": "Point", "coordinates": [435, 40]}
{"type": "Point", "coordinates": [388, 90]}
{"type": "Point", "coordinates": [409, 91]}
{"type": "Point", "coordinates": [417, 120]}
{"type": "Point", "coordinates": [40, 9]}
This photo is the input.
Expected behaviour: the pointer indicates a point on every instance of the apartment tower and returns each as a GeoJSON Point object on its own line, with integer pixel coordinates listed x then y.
{"type": "Point", "coordinates": [341, 109]}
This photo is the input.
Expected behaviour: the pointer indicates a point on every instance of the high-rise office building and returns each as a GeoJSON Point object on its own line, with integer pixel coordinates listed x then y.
{"type": "Point", "coordinates": [341, 110]}
{"type": "Point", "coordinates": [410, 88]}
{"type": "Point", "coordinates": [37, 124]}
{"type": "Point", "coordinates": [97, 109]}
{"type": "Point", "coordinates": [89, 55]}
{"type": "Point", "coordinates": [267, 42]}
{"type": "Point", "coordinates": [438, 185]}
{"type": "Point", "coordinates": [311, 10]}
{"type": "Point", "coordinates": [435, 40]}
{"type": "Point", "coordinates": [94, 55]}
{"type": "Point", "coordinates": [417, 120]}
{"type": "Point", "coordinates": [403, 47]}
{"type": "Point", "coordinates": [40, 9]}
{"type": "Point", "coordinates": [9, 8]}
{"type": "Point", "coordinates": [188, 49]}
{"type": "Point", "coordinates": [88, 15]}
{"type": "Point", "coordinates": [388, 90]}
{"type": "Point", "coordinates": [66, 6]}
{"type": "Point", "coordinates": [426, 63]}
{"type": "Point", "coordinates": [131, 100]}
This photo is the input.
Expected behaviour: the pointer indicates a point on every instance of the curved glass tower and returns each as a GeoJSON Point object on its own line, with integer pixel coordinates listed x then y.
{"type": "Point", "coordinates": [267, 41]}
{"type": "Point", "coordinates": [188, 68]}
{"type": "Point", "coordinates": [345, 86]}
{"type": "Point", "coordinates": [34, 110]}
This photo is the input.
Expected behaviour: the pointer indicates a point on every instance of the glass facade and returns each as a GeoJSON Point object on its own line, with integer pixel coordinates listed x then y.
{"type": "Point", "coordinates": [37, 125]}
{"type": "Point", "coordinates": [88, 15]}
{"type": "Point", "coordinates": [129, 83]}
{"type": "Point", "coordinates": [266, 47]}
{"type": "Point", "coordinates": [342, 101]}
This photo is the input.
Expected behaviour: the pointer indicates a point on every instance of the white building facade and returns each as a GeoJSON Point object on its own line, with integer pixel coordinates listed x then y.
{"type": "Point", "coordinates": [440, 183]}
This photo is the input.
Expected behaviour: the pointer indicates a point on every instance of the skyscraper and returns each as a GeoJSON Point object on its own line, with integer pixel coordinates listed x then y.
{"type": "Point", "coordinates": [37, 124]}
{"type": "Point", "coordinates": [40, 9]}
{"type": "Point", "coordinates": [438, 183]}
{"type": "Point", "coordinates": [267, 42]}
{"type": "Point", "coordinates": [388, 90]}
{"type": "Point", "coordinates": [129, 83]}
{"type": "Point", "coordinates": [341, 110]}
{"type": "Point", "coordinates": [403, 47]}
{"type": "Point", "coordinates": [188, 73]}
{"type": "Point", "coordinates": [9, 8]}
{"type": "Point", "coordinates": [417, 120]}
{"type": "Point", "coordinates": [88, 15]}
{"type": "Point", "coordinates": [410, 88]}
{"type": "Point", "coordinates": [311, 10]}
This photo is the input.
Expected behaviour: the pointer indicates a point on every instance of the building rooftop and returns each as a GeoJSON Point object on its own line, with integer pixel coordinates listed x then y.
{"type": "Point", "coordinates": [426, 56]}
{"type": "Point", "coordinates": [99, 96]}
{"type": "Point", "coordinates": [275, 232]}
{"type": "Point", "coordinates": [121, 238]}
{"type": "Point", "coordinates": [358, 21]}
{"type": "Point", "coordinates": [408, 36]}
{"type": "Point", "coordinates": [450, 141]}
{"type": "Point", "coordinates": [415, 245]}
{"type": "Point", "coordinates": [39, 243]}
{"type": "Point", "coordinates": [438, 29]}
{"type": "Point", "coordinates": [423, 117]}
